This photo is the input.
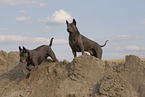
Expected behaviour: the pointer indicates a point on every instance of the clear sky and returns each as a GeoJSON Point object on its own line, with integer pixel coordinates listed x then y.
{"type": "Point", "coordinates": [31, 23]}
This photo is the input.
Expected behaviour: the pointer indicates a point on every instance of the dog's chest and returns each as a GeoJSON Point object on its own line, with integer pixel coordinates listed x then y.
{"type": "Point", "coordinates": [74, 44]}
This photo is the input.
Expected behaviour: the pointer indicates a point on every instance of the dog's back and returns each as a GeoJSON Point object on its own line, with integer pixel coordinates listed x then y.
{"type": "Point", "coordinates": [88, 42]}
{"type": "Point", "coordinates": [42, 52]}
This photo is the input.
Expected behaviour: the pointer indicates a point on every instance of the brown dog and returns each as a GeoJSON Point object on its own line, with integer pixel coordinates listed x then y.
{"type": "Point", "coordinates": [36, 56]}
{"type": "Point", "coordinates": [80, 43]}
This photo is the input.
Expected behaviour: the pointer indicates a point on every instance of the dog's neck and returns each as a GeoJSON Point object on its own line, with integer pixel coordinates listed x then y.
{"type": "Point", "coordinates": [29, 59]}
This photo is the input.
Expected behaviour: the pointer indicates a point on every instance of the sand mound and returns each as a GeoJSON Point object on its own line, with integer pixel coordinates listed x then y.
{"type": "Point", "coordinates": [85, 76]}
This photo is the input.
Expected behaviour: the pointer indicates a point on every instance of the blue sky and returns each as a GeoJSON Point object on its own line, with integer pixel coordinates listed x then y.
{"type": "Point", "coordinates": [31, 23]}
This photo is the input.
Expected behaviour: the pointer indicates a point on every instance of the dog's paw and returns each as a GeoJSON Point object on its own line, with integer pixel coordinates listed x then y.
{"type": "Point", "coordinates": [28, 75]}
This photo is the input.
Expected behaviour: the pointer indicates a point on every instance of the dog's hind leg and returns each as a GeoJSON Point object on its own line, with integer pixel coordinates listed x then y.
{"type": "Point", "coordinates": [98, 52]}
{"type": "Point", "coordinates": [52, 55]}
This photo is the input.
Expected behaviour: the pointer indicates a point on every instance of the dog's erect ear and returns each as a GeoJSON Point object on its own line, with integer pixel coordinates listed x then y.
{"type": "Point", "coordinates": [67, 22]}
{"type": "Point", "coordinates": [20, 49]}
{"type": "Point", "coordinates": [74, 21]}
{"type": "Point", "coordinates": [24, 49]}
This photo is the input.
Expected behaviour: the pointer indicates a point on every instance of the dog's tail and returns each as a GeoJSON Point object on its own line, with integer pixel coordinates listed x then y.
{"type": "Point", "coordinates": [104, 44]}
{"type": "Point", "coordinates": [51, 42]}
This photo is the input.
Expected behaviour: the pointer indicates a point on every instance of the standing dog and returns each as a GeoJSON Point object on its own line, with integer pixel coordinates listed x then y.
{"type": "Point", "coordinates": [80, 43]}
{"type": "Point", "coordinates": [36, 56]}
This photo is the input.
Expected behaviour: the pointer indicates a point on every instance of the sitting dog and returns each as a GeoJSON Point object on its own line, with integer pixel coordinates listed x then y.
{"type": "Point", "coordinates": [36, 56]}
{"type": "Point", "coordinates": [80, 43]}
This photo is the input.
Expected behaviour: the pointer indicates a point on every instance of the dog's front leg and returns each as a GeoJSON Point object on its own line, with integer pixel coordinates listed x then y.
{"type": "Point", "coordinates": [31, 70]}
{"type": "Point", "coordinates": [27, 73]}
{"type": "Point", "coordinates": [52, 55]}
{"type": "Point", "coordinates": [81, 46]}
{"type": "Point", "coordinates": [27, 67]}
{"type": "Point", "coordinates": [35, 62]}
